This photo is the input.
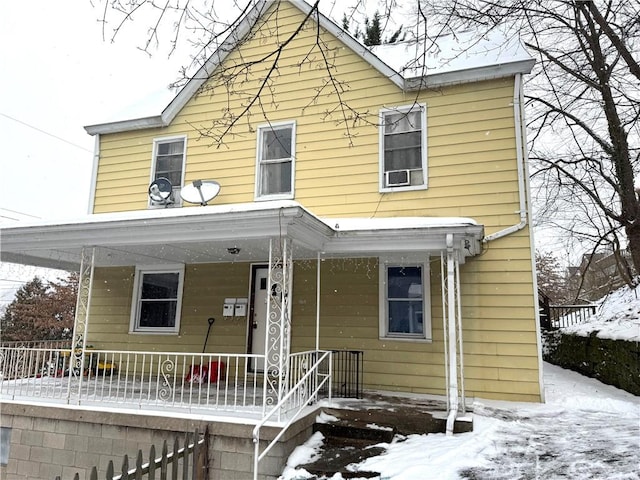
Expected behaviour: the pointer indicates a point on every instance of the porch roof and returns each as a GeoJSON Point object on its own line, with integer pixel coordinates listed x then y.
{"type": "Point", "coordinates": [204, 235]}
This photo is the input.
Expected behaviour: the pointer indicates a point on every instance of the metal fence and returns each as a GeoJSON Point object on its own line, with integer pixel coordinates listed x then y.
{"type": "Point", "coordinates": [347, 375]}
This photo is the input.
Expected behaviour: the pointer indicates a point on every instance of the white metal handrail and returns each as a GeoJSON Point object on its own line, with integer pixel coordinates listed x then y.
{"type": "Point", "coordinates": [220, 381]}
{"type": "Point", "coordinates": [301, 394]}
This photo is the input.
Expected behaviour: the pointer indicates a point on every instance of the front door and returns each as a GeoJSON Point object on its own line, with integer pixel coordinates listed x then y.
{"type": "Point", "coordinates": [258, 322]}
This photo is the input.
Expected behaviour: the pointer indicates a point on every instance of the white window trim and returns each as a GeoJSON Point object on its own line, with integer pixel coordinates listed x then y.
{"type": "Point", "coordinates": [384, 264]}
{"type": "Point", "coordinates": [135, 299]}
{"type": "Point", "coordinates": [152, 174]}
{"type": "Point", "coordinates": [425, 176]}
{"type": "Point", "coordinates": [257, 187]}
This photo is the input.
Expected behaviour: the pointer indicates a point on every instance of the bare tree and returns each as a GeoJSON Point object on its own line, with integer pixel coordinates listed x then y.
{"type": "Point", "coordinates": [583, 104]}
{"type": "Point", "coordinates": [213, 28]}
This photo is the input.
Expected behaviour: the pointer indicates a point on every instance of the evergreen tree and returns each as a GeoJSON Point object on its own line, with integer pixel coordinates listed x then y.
{"type": "Point", "coordinates": [345, 22]}
{"type": "Point", "coordinates": [372, 31]}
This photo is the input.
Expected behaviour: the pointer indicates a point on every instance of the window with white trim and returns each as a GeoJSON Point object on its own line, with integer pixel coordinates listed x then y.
{"type": "Point", "coordinates": [404, 301]}
{"type": "Point", "coordinates": [403, 148]}
{"type": "Point", "coordinates": [168, 162]}
{"type": "Point", "coordinates": [157, 299]}
{"type": "Point", "coordinates": [275, 161]}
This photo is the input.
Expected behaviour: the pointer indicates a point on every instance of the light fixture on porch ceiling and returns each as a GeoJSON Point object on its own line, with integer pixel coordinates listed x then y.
{"type": "Point", "coordinates": [233, 250]}
{"type": "Point", "coordinates": [200, 191]}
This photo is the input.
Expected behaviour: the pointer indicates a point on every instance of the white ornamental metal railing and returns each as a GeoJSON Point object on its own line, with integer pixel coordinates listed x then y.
{"type": "Point", "coordinates": [150, 380]}
{"type": "Point", "coordinates": [309, 375]}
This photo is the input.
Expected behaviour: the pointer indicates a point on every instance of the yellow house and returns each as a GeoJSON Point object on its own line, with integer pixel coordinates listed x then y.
{"type": "Point", "coordinates": [311, 195]}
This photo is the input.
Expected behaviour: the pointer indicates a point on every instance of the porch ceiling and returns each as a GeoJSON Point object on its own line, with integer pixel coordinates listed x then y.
{"type": "Point", "coordinates": [204, 235]}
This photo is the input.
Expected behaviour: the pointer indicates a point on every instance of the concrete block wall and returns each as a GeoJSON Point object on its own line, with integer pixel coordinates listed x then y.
{"type": "Point", "coordinates": [50, 441]}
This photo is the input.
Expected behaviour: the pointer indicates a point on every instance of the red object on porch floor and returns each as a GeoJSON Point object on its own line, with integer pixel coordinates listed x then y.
{"type": "Point", "coordinates": [201, 373]}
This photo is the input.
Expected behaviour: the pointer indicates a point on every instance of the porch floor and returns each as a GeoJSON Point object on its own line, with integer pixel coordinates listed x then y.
{"type": "Point", "coordinates": [222, 398]}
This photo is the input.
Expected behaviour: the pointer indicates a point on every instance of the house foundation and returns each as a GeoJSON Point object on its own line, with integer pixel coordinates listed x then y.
{"type": "Point", "coordinates": [45, 442]}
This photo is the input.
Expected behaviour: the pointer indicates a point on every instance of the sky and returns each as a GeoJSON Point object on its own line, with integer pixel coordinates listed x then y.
{"type": "Point", "coordinates": [59, 71]}
{"type": "Point", "coordinates": [58, 75]}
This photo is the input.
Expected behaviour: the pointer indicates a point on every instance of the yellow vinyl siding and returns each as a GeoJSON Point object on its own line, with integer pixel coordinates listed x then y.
{"type": "Point", "coordinates": [472, 172]}
{"type": "Point", "coordinates": [205, 288]}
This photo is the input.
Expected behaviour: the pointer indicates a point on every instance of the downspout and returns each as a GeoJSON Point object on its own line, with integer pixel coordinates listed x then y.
{"type": "Point", "coordinates": [521, 159]}
{"type": "Point", "coordinates": [94, 174]}
{"type": "Point", "coordinates": [318, 304]}
{"type": "Point", "coordinates": [451, 332]}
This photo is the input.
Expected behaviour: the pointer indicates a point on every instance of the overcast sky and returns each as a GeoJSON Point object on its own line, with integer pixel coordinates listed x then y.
{"type": "Point", "coordinates": [59, 74]}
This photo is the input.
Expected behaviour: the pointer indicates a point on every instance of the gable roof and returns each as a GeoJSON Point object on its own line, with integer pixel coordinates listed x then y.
{"type": "Point", "coordinates": [452, 62]}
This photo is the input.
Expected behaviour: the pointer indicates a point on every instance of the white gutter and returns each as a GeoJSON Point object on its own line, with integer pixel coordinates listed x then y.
{"type": "Point", "coordinates": [94, 174]}
{"type": "Point", "coordinates": [451, 333]}
{"type": "Point", "coordinates": [521, 159]}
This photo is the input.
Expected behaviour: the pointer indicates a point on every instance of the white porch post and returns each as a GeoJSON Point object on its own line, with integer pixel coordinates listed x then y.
{"type": "Point", "coordinates": [278, 335]}
{"type": "Point", "coordinates": [451, 314]}
{"type": "Point", "coordinates": [81, 321]}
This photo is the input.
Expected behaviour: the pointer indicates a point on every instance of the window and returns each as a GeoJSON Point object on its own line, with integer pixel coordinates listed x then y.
{"type": "Point", "coordinates": [168, 162]}
{"type": "Point", "coordinates": [404, 301]}
{"type": "Point", "coordinates": [403, 159]}
{"type": "Point", "coordinates": [157, 299]}
{"type": "Point", "coordinates": [276, 151]}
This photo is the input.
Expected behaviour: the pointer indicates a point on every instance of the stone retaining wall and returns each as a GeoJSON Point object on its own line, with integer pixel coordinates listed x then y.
{"type": "Point", "coordinates": [50, 441]}
{"type": "Point", "coordinates": [614, 362]}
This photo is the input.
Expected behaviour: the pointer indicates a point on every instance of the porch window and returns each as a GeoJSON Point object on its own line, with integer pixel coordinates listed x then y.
{"type": "Point", "coordinates": [157, 300]}
{"type": "Point", "coordinates": [403, 152]}
{"type": "Point", "coordinates": [275, 161]}
{"type": "Point", "coordinates": [404, 293]}
{"type": "Point", "coordinates": [168, 162]}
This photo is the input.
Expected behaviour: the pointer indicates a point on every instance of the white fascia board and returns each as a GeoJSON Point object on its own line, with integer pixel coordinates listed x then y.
{"type": "Point", "coordinates": [125, 125]}
{"type": "Point", "coordinates": [64, 261]}
{"type": "Point", "coordinates": [357, 47]}
{"type": "Point", "coordinates": [467, 240]}
{"type": "Point", "coordinates": [294, 221]}
{"type": "Point", "coordinates": [479, 74]}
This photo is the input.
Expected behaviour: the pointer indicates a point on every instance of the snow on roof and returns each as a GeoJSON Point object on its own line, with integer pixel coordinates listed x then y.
{"type": "Point", "coordinates": [448, 60]}
{"type": "Point", "coordinates": [155, 213]}
{"type": "Point", "coordinates": [450, 53]}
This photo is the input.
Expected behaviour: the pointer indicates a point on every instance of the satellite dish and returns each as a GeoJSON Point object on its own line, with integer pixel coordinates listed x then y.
{"type": "Point", "coordinates": [200, 192]}
{"type": "Point", "coordinates": [160, 191]}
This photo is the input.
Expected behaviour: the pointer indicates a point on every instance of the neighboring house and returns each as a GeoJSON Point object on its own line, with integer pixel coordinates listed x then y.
{"type": "Point", "coordinates": [599, 274]}
{"type": "Point", "coordinates": [394, 223]}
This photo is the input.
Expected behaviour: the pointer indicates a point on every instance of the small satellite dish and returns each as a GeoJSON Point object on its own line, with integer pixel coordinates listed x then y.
{"type": "Point", "coordinates": [160, 191]}
{"type": "Point", "coordinates": [200, 191]}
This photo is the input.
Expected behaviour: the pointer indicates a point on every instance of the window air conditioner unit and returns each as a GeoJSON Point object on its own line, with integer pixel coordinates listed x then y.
{"type": "Point", "coordinates": [397, 178]}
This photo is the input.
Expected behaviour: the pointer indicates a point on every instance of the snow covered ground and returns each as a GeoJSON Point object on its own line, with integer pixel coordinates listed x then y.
{"type": "Point", "coordinates": [617, 317]}
{"type": "Point", "coordinates": [585, 430]}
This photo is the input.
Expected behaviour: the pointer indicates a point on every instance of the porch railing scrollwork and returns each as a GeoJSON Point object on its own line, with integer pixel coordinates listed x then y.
{"type": "Point", "coordinates": [143, 380]}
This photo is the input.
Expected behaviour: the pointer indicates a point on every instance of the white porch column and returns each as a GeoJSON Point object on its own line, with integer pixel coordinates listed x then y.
{"type": "Point", "coordinates": [278, 335]}
{"type": "Point", "coordinates": [81, 321]}
{"type": "Point", "coordinates": [451, 315]}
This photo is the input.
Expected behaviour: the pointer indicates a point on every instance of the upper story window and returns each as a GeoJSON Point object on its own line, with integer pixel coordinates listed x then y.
{"type": "Point", "coordinates": [275, 161]}
{"type": "Point", "coordinates": [404, 301]}
{"type": "Point", "coordinates": [403, 148]}
{"type": "Point", "coordinates": [157, 297]}
{"type": "Point", "coordinates": [168, 162]}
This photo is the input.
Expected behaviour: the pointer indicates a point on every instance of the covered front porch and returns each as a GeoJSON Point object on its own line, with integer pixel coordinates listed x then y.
{"type": "Point", "coordinates": [271, 383]}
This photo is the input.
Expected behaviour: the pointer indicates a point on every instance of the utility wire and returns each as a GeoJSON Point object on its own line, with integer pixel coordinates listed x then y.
{"type": "Point", "coordinates": [46, 133]}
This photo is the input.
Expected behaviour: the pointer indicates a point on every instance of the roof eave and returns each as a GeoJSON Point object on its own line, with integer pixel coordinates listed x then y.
{"type": "Point", "coordinates": [126, 125]}
{"type": "Point", "coordinates": [470, 75]}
